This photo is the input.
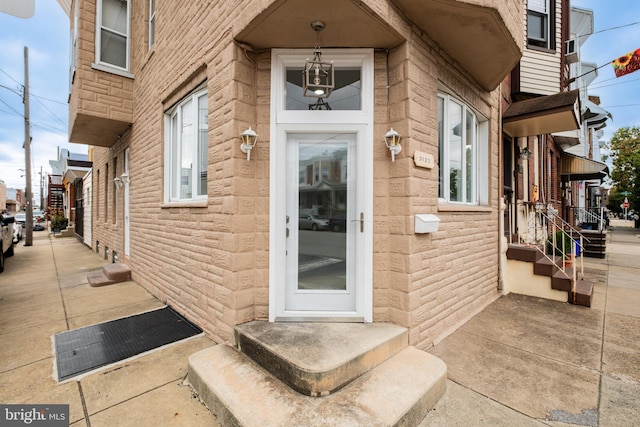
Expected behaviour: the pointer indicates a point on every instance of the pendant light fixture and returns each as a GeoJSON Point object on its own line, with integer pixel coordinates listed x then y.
{"type": "Point", "coordinates": [318, 76]}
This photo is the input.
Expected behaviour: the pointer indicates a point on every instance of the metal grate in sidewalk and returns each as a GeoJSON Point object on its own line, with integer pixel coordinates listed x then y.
{"type": "Point", "coordinates": [85, 349]}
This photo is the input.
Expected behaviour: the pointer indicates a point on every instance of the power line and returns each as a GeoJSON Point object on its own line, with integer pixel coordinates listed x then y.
{"type": "Point", "coordinates": [11, 108]}
{"type": "Point", "coordinates": [620, 106]}
{"type": "Point", "coordinates": [50, 128]}
{"type": "Point", "coordinates": [49, 99]}
{"type": "Point", "coordinates": [7, 74]}
{"type": "Point", "coordinates": [599, 86]}
{"type": "Point", "coordinates": [33, 95]}
{"type": "Point", "coordinates": [34, 124]}
{"type": "Point", "coordinates": [19, 93]}
{"type": "Point", "coordinates": [609, 29]}
{"type": "Point", "coordinates": [52, 113]}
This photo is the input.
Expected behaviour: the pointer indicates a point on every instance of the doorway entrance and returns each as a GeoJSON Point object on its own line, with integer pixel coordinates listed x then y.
{"type": "Point", "coordinates": [321, 197]}
{"type": "Point", "coordinates": [322, 233]}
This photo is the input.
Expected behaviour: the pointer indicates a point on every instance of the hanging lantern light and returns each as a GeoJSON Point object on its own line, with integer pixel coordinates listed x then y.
{"type": "Point", "coordinates": [318, 76]}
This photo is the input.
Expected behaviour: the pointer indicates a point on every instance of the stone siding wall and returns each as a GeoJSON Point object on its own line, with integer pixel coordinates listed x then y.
{"type": "Point", "coordinates": [210, 260]}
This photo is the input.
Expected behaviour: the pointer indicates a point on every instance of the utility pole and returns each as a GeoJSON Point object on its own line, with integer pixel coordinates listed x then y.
{"type": "Point", "coordinates": [41, 190]}
{"type": "Point", "coordinates": [28, 241]}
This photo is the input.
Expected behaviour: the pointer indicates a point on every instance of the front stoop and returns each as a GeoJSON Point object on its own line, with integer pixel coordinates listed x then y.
{"type": "Point", "coordinates": [306, 356]}
{"type": "Point", "coordinates": [375, 377]}
{"type": "Point", "coordinates": [110, 274]}
{"type": "Point", "coordinates": [560, 281]}
{"type": "Point", "coordinates": [70, 231]}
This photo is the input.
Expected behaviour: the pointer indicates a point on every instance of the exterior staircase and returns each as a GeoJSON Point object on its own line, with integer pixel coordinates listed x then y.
{"type": "Point", "coordinates": [110, 274]}
{"type": "Point", "coordinates": [67, 232]}
{"type": "Point", "coordinates": [560, 282]}
{"type": "Point", "coordinates": [595, 244]}
{"type": "Point", "coordinates": [317, 374]}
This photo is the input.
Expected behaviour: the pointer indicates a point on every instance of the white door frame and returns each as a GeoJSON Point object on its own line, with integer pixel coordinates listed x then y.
{"type": "Point", "coordinates": [127, 226]}
{"type": "Point", "coordinates": [284, 122]}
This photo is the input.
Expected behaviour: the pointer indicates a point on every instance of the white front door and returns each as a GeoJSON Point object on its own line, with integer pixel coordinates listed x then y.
{"type": "Point", "coordinates": [324, 228]}
{"type": "Point", "coordinates": [321, 192]}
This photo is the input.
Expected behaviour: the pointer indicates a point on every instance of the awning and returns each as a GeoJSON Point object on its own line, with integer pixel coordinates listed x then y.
{"type": "Point", "coordinates": [595, 116]}
{"type": "Point", "coordinates": [567, 139]}
{"type": "Point", "coordinates": [72, 174]}
{"type": "Point", "coordinates": [575, 168]}
{"type": "Point", "coordinates": [543, 115]}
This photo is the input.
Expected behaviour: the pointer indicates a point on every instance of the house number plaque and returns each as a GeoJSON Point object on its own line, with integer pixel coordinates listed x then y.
{"type": "Point", "coordinates": [423, 160]}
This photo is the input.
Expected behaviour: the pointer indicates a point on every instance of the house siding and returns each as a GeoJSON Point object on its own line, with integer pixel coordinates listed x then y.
{"type": "Point", "coordinates": [540, 69]}
{"type": "Point", "coordinates": [211, 261]}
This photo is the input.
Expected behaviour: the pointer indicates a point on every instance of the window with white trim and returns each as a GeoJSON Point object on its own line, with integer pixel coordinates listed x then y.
{"type": "Point", "coordinates": [462, 153]}
{"type": "Point", "coordinates": [152, 22]}
{"type": "Point", "coordinates": [186, 149]}
{"type": "Point", "coordinates": [112, 39]}
{"type": "Point", "coordinates": [538, 23]}
{"type": "Point", "coordinates": [74, 44]}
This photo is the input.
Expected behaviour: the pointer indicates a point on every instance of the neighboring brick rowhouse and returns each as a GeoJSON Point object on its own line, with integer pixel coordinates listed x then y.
{"type": "Point", "coordinates": [211, 260]}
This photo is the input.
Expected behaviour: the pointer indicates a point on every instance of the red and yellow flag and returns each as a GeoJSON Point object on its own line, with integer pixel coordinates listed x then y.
{"type": "Point", "coordinates": [627, 64]}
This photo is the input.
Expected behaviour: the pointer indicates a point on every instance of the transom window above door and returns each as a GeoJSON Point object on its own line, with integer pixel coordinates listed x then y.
{"type": "Point", "coordinates": [350, 100]}
{"type": "Point", "coordinates": [347, 94]}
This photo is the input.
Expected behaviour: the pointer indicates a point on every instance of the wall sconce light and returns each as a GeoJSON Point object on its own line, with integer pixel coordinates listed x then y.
{"type": "Point", "coordinates": [525, 153]}
{"type": "Point", "coordinates": [118, 182]}
{"type": "Point", "coordinates": [249, 140]}
{"type": "Point", "coordinates": [392, 139]}
{"type": "Point", "coordinates": [318, 76]}
{"type": "Point", "coordinates": [125, 178]}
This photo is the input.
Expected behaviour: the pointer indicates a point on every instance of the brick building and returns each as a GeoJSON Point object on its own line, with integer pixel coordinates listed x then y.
{"type": "Point", "coordinates": [165, 93]}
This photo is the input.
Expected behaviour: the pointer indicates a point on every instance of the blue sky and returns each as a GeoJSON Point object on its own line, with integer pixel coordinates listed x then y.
{"type": "Point", "coordinates": [47, 37]}
{"type": "Point", "coordinates": [620, 96]}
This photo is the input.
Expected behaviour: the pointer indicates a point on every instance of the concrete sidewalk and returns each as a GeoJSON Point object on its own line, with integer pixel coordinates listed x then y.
{"type": "Point", "coordinates": [44, 290]}
{"type": "Point", "coordinates": [525, 361]}
{"type": "Point", "coordinates": [522, 361]}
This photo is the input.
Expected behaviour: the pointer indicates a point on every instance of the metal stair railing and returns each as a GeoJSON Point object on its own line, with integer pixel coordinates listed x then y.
{"type": "Point", "coordinates": [555, 234]}
{"type": "Point", "coordinates": [590, 215]}
{"type": "Point", "coordinates": [559, 229]}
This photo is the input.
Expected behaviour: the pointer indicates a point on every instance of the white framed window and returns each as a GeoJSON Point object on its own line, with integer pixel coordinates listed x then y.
{"type": "Point", "coordinates": [538, 23]}
{"type": "Point", "coordinates": [462, 153]}
{"type": "Point", "coordinates": [112, 35]}
{"type": "Point", "coordinates": [186, 149]}
{"type": "Point", "coordinates": [152, 22]}
{"type": "Point", "coordinates": [74, 44]}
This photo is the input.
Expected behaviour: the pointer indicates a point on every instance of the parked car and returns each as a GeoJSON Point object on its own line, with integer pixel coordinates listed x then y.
{"type": "Point", "coordinates": [18, 231]}
{"type": "Point", "coordinates": [21, 218]}
{"type": "Point", "coordinates": [6, 238]}
{"type": "Point", "coordinates": [312, 222]}
{"type": "Point", "coordinates": [338, 223]}
{"type": "Point", "coordinates": [38, 216]}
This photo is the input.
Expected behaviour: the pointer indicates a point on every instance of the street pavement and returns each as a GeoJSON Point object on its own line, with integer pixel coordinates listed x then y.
{"type": "Point", "coordinates": [522, 361]}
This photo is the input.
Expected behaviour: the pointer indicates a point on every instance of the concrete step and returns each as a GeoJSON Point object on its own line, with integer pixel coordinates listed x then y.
{"type": "Point", "coordinates": [67, 232]}
{"type": "Point", "coordinates": [583, 295]}
{"type": "Point", "coordinates": [528, 253]}
{"type": "Point", "coordinates": [316, 359]}
{"type": "Point", "coordinates": [545, 267]}
{"type": "Point", "coordinates": [400, 391]}
{"type": "Point", "coordinates": [110, 274]}
{"type": "Point", "coordinates": [562, 281]}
